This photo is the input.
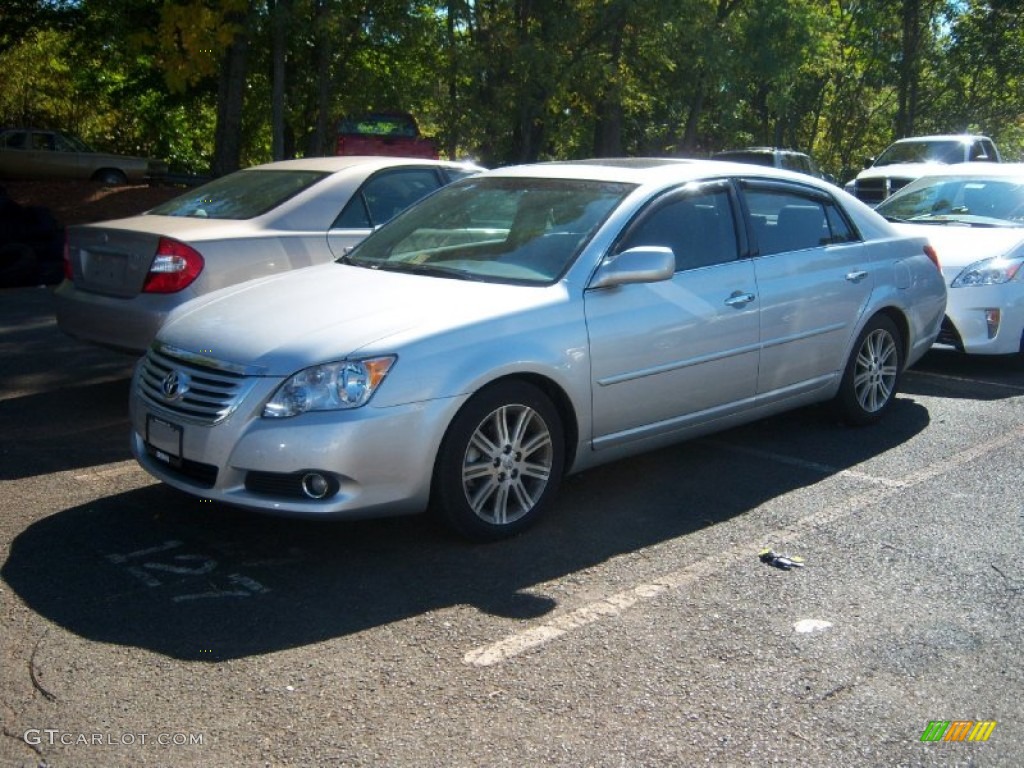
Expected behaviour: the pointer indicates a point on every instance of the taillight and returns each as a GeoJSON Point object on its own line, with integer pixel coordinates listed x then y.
{"type": "Point", "coordinates": [175, 267]}
{"type": "Point", "coordinates": [933, 256]}
{"type": "Point", "coordinates": [69, 273]}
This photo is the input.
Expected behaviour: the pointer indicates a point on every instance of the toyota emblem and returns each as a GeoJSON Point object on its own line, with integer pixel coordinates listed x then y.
{"type": "Point", "coordinates": [174, 385]}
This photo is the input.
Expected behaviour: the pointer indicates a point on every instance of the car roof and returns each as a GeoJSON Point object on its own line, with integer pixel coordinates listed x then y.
{"type": "Point", "coordinates": [745, 150]}
{"type": "Point", "coordinates": [942, 137]}
{"type": "Point", "coordinates": [648, 170]}
{"type": "Point", "coordinates": [334, 163]}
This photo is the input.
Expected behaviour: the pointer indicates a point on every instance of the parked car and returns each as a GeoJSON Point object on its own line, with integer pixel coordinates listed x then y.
{"type": "Point", "coordinates": [527, 322]}
{"type": "Point", "coordinates": [33, 154]}
{"type": "Point", "coordinates": [394, 134]}
{"type": "Point", "coordinates": [122, 277]}
{"type": "Point", "coordinates": [908, 159]}
{"type": "Point", "coordinates": [772, 157]}
{"type": "Point", "coordinates": [974, 216]}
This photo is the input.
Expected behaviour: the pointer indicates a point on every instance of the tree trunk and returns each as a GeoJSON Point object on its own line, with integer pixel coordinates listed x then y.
{"type": "Point", "coordinates": [323, 139]}
{"type": "Point", "coordinates": [227, 150]}
{"type": "Point", "coordinates": [906, 113]}
{"type": "Point", "coordinates": [281, 11]}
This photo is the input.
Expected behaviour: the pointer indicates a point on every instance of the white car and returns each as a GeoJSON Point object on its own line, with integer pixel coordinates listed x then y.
{"type": "Point", "coordinates": [528, 322]}
{"type": "Point", "coordinates": [974, 217]}
{"type": "Point", "coordinates": [907, 159]}
{"type": "Point", "coordinates": [123, 277]}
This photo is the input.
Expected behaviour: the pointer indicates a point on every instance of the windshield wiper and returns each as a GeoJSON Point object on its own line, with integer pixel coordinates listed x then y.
{"type": "Point", "coordinates": [435, 270]}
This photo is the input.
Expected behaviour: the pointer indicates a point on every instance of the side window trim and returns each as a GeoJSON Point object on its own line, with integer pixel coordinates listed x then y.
{"type": "Point", "coordinates": [833, 213]}
{"type": "Point", "coordinates": [685, 192]}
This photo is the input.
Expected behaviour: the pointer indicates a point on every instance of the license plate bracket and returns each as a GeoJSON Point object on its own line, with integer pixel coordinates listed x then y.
{"type": "Point", "coordinates": [165, 439]}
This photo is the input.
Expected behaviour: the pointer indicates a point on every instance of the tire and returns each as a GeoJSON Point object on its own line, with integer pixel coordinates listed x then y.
{"type": "Point", "coordinates": [111, 177]}
{"type": "Point", "coordinates": [500, 462]}
{"type": "Point", "coordinates": [872, 375]}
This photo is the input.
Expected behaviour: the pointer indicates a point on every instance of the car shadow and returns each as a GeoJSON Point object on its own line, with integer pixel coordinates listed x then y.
{"type": "Point", "coordinates": [950, 374]}
{"type": "Point", "coordinates": [159, 570]}
{"type": "Point", "coordinates": [63, 403]}
{"type": "Point", "coordinates": [64, 429]}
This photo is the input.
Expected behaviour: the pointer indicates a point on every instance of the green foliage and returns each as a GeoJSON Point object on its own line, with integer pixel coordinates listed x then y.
{"type": "Point", "coordinates": [508, 81]}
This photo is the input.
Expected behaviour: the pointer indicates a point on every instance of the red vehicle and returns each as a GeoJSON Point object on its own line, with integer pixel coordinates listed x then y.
{"type": "Point", "coordinates": [394, 134]}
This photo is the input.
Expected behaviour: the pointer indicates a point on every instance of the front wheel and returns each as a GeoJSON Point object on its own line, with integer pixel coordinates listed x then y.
{"type": "Point", "coordinates": [872, 373]}
{"type": "Point", "coordinates": [500, 462]}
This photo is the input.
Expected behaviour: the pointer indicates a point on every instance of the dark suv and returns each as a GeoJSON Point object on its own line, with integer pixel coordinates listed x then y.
{"type": "Point", "coordinates": [771, 157]}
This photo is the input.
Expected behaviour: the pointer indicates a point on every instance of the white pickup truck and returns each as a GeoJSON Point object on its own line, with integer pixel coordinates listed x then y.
{"type": "Point", "coordinates": [908, 159]}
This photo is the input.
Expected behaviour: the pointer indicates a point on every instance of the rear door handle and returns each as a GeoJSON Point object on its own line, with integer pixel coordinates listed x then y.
{"type": "Point", "coordinates": [739, 299]}
{"type": "Point", "coordinates": [856, 277]}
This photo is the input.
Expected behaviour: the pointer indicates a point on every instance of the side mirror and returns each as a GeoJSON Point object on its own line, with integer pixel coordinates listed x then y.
{"type": "Point", "coordinates": [868, 162]}
{"type": "Point", "coordinates": [644, 264]}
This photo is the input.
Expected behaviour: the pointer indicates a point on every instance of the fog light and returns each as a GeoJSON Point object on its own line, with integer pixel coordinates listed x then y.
{"type": "Point", "coordinates": [992, 321]}
{"type": "Point", "coordinates": [315, 485]}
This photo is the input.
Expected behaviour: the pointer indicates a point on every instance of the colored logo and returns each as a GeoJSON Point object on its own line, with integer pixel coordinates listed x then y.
{"type": "Point", "coordinates": [958, 730]}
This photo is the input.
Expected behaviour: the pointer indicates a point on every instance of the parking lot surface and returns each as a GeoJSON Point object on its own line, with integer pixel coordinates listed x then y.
{"type": "Point", "coordinates": [635, 626]}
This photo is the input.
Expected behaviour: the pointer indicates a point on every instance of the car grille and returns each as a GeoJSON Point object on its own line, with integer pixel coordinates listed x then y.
{"type": "Point", "coordinates": [872, 190]}
{"type": "Point", "coordinates": [192, 388]}
{"type": "Point", "coordinates": [283, 485]}
{"type": "Point", "coordinates": [197, 473]}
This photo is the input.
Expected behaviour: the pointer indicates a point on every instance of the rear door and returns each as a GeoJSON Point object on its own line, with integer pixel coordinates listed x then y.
{"type": "Point", "coordinates": [668, 354]}
{"type": "Point", "coordinates": [814, 279]}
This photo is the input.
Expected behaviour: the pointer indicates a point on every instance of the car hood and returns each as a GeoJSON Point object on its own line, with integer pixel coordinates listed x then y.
{"type": "Point", "coordinates": [897, 170]}
{"type": "Point", "coordinates": [960, 246]}
{"type": "Point", "coordinates": [286, 322]}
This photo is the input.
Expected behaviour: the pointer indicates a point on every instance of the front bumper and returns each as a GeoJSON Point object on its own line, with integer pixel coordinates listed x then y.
{"type": "Point", "coordinates": [969, 311]}
{"type": "Point", "coordinates": [379, 461]}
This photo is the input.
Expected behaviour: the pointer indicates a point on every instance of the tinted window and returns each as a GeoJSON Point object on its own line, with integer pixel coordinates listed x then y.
{"type": "Point", "coordinates": [785, 220]}
{"type": "Point", "coordinates": [14, 140]}
{"type": "Point", "coordinates": [698, 227]}
{"type": "Point", "coordinates": [42, 141]}
{"type": "Point", "coordinates": [384, 196]}
{"type": "Point", "coordinates": [241, 195]}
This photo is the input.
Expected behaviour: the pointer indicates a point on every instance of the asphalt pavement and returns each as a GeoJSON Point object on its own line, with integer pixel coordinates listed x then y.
{"type": "Point", "coordinates": [635, 626]}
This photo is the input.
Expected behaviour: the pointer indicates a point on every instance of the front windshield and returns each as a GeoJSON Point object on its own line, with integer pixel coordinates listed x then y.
{"type": "Point", "coordinates": [945, 152]}
{"type": "Point", "coordinates": [240, 195]}
{"type": "Point", "coordinates": [963, 200]}
{"type": "Point", "coordinates": [514, 230]}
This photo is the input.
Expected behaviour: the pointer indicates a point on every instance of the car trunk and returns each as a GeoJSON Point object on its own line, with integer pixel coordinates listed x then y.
{"type": "Point", "coordinates": [111, 261]}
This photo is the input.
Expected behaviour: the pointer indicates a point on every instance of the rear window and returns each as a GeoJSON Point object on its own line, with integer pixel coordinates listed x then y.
{"type": "Point", "coordinates": [241, 195]}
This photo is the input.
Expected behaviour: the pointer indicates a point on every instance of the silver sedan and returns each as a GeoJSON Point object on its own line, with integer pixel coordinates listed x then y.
{"type": "Point", "coordinates": [123, 277]}
{"type": "Point", "coordinates": [530, 322]}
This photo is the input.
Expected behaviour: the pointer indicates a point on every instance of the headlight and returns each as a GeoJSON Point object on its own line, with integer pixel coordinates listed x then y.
{"type": "Point", "coordinates": [328, 387]}
{"type": "Point", "coordinates": [989, 272]}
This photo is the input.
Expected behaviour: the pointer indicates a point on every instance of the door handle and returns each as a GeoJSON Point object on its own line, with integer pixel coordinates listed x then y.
{"type": "Point", "coordinates": [739, 299]}
{"type": "Point", "coordinates": [856, 277]}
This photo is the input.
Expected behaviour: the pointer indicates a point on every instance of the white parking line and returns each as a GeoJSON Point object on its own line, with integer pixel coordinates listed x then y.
{"type": "Point", "coordinates": [609, 607]}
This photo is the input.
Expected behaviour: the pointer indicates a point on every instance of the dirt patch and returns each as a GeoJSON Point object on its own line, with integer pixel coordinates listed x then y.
{"type": "Point", "coordinates": [84, 202]}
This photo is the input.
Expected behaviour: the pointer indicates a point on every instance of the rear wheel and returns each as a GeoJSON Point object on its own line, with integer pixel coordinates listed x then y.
{"type": "Point", "coordinates": [872, 373]}
{"type": "Point", "coordinates": [111, 177]}
{"type": "Point", "coordinates": [500, 463]}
